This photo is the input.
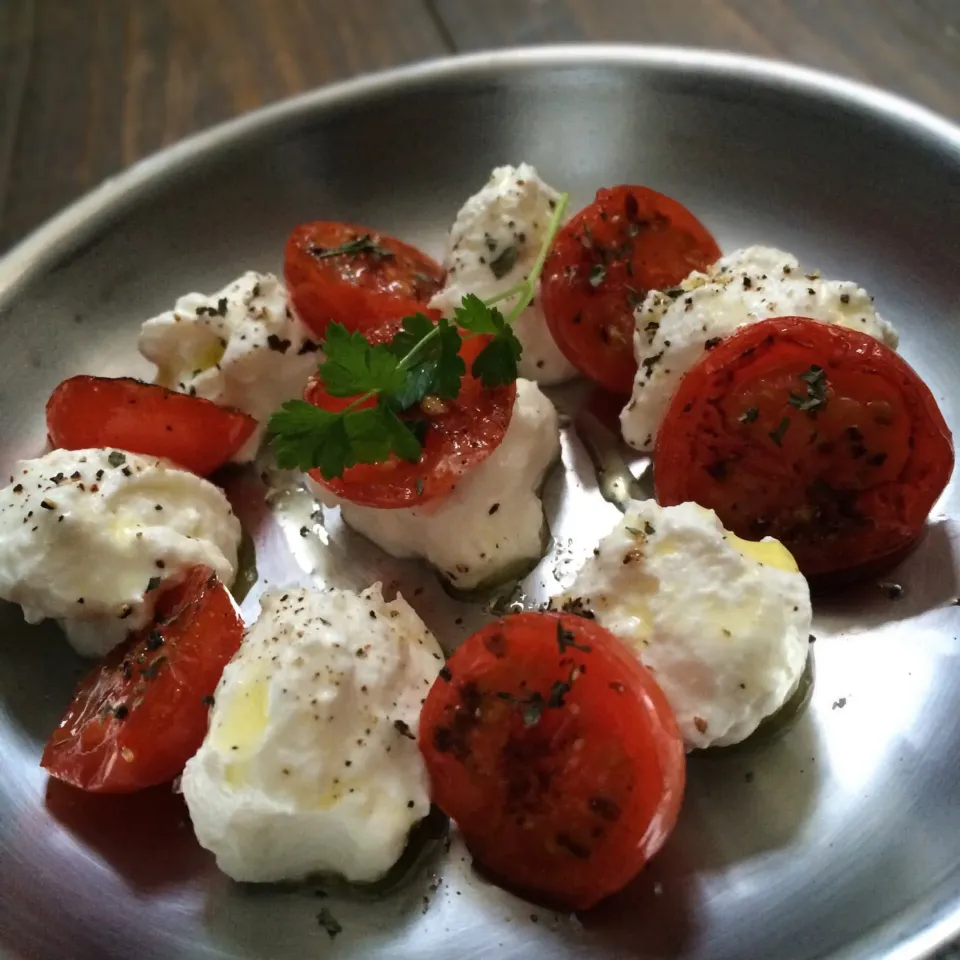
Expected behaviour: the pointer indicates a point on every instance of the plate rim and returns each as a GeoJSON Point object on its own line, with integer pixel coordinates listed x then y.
{"type": "Point", "coordinates": [929, 924]}
{"type": "Point", "coordinates": [40, 249]}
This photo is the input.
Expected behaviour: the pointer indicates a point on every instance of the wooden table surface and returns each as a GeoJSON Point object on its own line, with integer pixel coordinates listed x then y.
{"type": "Point", "coordinates": [89, 86]}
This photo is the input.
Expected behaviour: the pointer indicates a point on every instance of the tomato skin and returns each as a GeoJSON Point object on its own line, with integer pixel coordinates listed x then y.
{"type": "Point", "coordinates": [847, 487]}
{"type": "Point", "coordinates": [85, 412]}
{"type": "Point", "coordinates": [568, 808]}
{"type": "Point", "coordinates": [603, 263]}
{"type": "Point", "coordinates": [357, 290]}
{"type": "Point", "coordinates": [196, 632]}
{"type": "Point", "coordinates": [457, 440]}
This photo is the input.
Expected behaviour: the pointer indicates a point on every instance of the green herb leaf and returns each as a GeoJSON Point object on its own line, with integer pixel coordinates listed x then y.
{"type": "Point", "coordinates": [437, 369]}
{"type": "Point", "coordinates": [496, 364]}
{"type": "Point", "coordinates": [413, 330]}
{"type": "Point", "coordinates": [305, 437]}
{"type": "Point", "coordinates": [418, 426]}
{"type": "Point", "coordinates": [403, 438]}
{"type": "Point", "coordinates": [450, 366]}
{"type": "Point", "coordinates": [420, 379]}
{"type": "Point", "coordinates": [368, 435]}
{"type": "Point", "coordinates": [749, 415]}
{"type": "Point", "coordinates": [353, 366]}
{"type": "Point", "coordinates": [334, 456]}
{"type": "Point", "coordinates": [474, 315]}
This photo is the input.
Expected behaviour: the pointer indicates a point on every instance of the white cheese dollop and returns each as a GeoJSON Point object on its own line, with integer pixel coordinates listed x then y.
{"type": "Point", "coordinates": [673, 329]}
{"type": "Point", "coordinates": [311, 763]}
{"type": "Point", "coordinates": [722, 623]}
{"type": "Point", "coordinates": [240, 347]}
{"type": "Point", "coordinates": [492, 523]}
{"type": "Point", "coordinates": [86, 536]}
{"type": "Point", "coordinates": [493, 245]}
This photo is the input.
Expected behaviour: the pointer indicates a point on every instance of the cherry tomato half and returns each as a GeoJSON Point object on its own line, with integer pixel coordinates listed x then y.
{"type": "Point", "coordinates": [556, 754]}
{"type": "Point", "coordinates": [817, 435]}
{"type": "Point", "coordinates": [140, 715]}
{"type": "Point", "coordinates": [460, 435]}
{"type": "Point", "coordinates": [376, 277]}
{"type": "Point", "coordinates": [603, 263]}
{"type": "Point", "coordinates": [138, 417]}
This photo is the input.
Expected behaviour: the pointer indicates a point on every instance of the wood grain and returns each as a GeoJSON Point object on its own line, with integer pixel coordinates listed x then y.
{"type": "Point", "coordinates": [909, 46]}
{"type": "Point", "coordinates": [87, 87]}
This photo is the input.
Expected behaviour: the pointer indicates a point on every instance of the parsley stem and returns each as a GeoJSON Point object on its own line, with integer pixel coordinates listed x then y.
{"type": "Point", "coordinates": [506, 294]}
{"type": "Point", "coordinates": [527, 288]}
{"type": "Point", "coordinates": [404, 363]}
{"type": "Point", "coordinates": [363, 398]}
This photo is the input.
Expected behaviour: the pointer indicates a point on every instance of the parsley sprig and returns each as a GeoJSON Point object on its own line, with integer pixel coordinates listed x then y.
{"type": "Point", "coordinates": [421, 363]}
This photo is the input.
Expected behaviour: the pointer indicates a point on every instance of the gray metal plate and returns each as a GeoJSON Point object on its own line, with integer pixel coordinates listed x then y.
{"type": "Point", "coordinates": [840, 840]}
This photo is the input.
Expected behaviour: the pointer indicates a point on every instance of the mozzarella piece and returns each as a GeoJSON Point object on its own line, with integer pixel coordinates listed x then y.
{"type": "Point", "coordinates": [674, 328]}
{"type": "Point", "coordinates": [240, 347]}
{"type": "Point", "coordinates": [87, 535]}
{"type": "Point", "coordinates": [311, 763]}
{"type": "Point", "coordinates": [493, 245]}
{"type": "Point", "coordinates": [722, 623]}
{"type": "Point", "coordinates": [492, 522]}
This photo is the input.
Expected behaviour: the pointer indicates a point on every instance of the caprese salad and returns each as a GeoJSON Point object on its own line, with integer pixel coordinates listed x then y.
{"type": "Point", "coordinates": [790, 442]}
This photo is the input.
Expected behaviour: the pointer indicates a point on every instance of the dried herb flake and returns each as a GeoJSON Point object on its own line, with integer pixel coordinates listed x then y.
{"type": "Point", "coordinates": [815, 380]}
{"type": "Point", "coordinates": [777, 435]}
{"type": "Point", "coordinates": [504, 262]}
{"type": "Point", "coordinates": [403, 728]}
{"type": "Point", "coordinates": [329, 923]}
{"type": "Point", "coordinates": [567, 638]}
{"type": "Point", "coordinates": [364, 244]}
{"type": "Point", "coordinates": [598, 273]}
